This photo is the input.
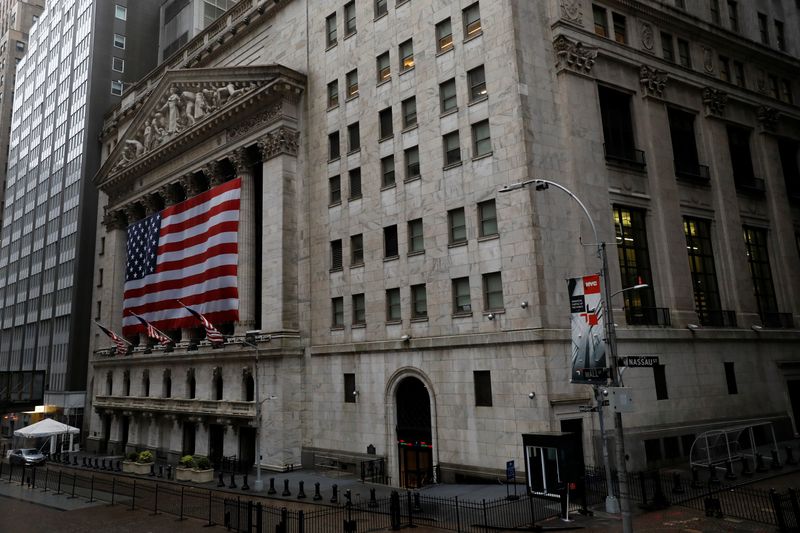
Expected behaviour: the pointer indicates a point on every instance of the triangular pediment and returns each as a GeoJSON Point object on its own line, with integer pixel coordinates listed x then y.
{"type": "Point", "coordinates": [187, 104]}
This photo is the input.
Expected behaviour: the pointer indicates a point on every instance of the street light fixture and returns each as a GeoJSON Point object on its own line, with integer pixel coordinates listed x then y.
{"type": "Point", "coordinates": [611, 338]}
{"type": "Point", "coordinates": [251, 339]}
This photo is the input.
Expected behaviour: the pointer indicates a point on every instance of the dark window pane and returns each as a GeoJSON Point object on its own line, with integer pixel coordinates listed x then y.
{"type": "Point", "coordinates": [660, 377]}
{"type": "Point", "coordinates": [483, 388]}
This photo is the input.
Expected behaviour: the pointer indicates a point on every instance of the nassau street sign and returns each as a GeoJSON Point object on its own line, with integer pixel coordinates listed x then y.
{"type": "Point", "coordinates": [640, 361]}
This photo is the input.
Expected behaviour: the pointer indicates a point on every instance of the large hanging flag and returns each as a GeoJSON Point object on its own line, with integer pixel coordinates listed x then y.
{"type": "Point", "coordinates": [188, 252]}
{"type": "Point", "coordinates": [119, 342]}
{"type": "Point", "coordinates": [212, 333]}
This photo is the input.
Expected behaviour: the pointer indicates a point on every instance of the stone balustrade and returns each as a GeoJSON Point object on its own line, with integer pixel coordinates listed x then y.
{"type": "Point", "coordinates": [178, 406]}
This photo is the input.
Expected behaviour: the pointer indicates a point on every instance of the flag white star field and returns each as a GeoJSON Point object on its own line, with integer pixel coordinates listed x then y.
{"type": "Point", "coordinates": [187, 252]}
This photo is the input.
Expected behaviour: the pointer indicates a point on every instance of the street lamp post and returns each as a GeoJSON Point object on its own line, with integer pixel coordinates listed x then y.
{"type": "Point", "coordinates": [250, 340]}
{"type": "Point", "coordinates": [611, 339]}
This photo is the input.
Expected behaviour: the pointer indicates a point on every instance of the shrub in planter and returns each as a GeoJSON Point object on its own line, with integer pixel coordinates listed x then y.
{"type": "Point", "coordinates": [202, 463]}
{"type": "Point", "coordinates": [184, 470]}
{"type": "Point", "coordinates": [187, 461]}
{"type": "Point", "coordinates": [132, 457]}
{"type": "Point", "coordinates": [202, 472]}
{"type": "Point", "coordinates": [145, 457]}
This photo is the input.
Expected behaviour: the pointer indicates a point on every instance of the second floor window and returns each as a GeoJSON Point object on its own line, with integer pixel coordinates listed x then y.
{"type": "Point", "coordinates": [615, 111]}
{"type": "Point", "coordinates": [393, 305]}
{"type": "Point", "coordinates": [634, 264]}
{"type": "Point", "coordinates": [755, 240]}
{"type": "Point", "coordinates": [741, 158]}
{"type": "Point", "coordinates": [419, 301]}
{"type": "Point", "coordinates": [684, 146]}
{"type": "Point", "coordinates": [704, 273]}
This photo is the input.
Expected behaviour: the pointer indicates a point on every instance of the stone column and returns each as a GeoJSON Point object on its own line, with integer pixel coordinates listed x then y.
{"type": "Point", "coordinates": [201, 437]}
{"type": "Point", "coordinates": [279, 240]}
{"type": "Point", "coordinates": [116, 223]}
{"type": "Point", "coordinates": [247, 241]}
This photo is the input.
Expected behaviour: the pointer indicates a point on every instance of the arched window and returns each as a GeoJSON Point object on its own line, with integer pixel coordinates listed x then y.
{"type": "Point", "coordinates": [248, 385]}
{"type": "Point", "coordinates": [109, 383]}
{"type": "Point", "coordinates": [145, 383]}
{"type": "Point", "coordinates": [190, 383]}
{"type": "Point", "coordinates": [166, 385]}
{"type": "Point", "coordinates": [217, 384]}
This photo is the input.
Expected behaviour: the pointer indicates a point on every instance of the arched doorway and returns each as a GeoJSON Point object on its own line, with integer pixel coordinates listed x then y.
{"type": "Point", "coordinates": [414, 435]}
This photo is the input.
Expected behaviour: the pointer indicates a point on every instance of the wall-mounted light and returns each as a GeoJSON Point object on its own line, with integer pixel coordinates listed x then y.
{"type": "Point", "coordinates": [531, 395]}
{"type": "Point", "coordinates": [756, 328]}
{"type": "Point", "coordinates": [405, 338]}
{"type": "Point", "coordinates": [490, 316]}
{"type": "Point", "coordinates": [692, 327]}
{"type": "Point", "coordinates": [355, 394]}
{"type": "Point", "coordinates": [524, 304]}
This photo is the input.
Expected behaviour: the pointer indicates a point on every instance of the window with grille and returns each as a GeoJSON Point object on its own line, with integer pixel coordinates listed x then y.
{"type": "Point", "coordinates": [383, 67]}
{"type": "Point", "coordinates": [409, 107]}
{"type": "Point", "coordinates": [416, 240]}
{"type": "Point", "coordinates": [385, 123]}
{"type": "Point", "coordinates": [457, 226]}
{"type": "Point", "coordinates": [357, 250]}
{"type": "Point", "coordinates": [483, 388]}
{"type": "Point", "coordinates": [419, 301]}
{"type": "Point", "coordinates": [452, 148]}
{"type": "Point", "coordinates": [336, 255]}
{"type": "Point", "coordinates": [393, 305]}
{"type": "Point", "coordinates": [444, 36]}
{"type": "Point", "coordinates": [493, 292]}
{"type": "Point", "coordinates": [387, 171]}
{"type": "Point", "coordinates": [472, 21]}
{"type": "Point", "coordinates": [390, 249]}
{"type": "Point", "coordinates": [359, 310]}
{"type": "Point", "coordinates": [355, 183]}
{"type": "Point", "coordinates": [477, 83]}
{"type": "Point", "coordinates": [487, 218]}
{"type": "Point", "coordinates": [337, 312]}
{"type": "Point", "coordinates": [481, 139]}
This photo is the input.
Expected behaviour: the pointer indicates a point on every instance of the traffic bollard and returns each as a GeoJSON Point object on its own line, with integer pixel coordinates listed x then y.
{"type": "Point", "coordinates": [301, 493]}
{"type": "Point", "coordinates": [317, 496]}
{"type": "Point", "coordinates": [245, 486]}
{"type": "Point", "coordinates": [335, 493]}
{"type": "Point", "coordinates": [286, 491]}
{"type": "Point", "coordinates": [271, 486]}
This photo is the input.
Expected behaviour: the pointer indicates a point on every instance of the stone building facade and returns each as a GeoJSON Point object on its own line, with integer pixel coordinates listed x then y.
{"type": "Point", "coordinates": [416, 314]}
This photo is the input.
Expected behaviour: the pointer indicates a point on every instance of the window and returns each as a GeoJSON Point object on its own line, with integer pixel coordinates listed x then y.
{"type": "Point", "coordinates": [620, 32]}
{"type": "Point", "coordinates": [406, 55]}
{"type": "Point", "coordinates": [330, 27]}
{"type": "Point", "coordinates": [335, 188]}
{"type": "Point", "coordinates": [352, 83]}
{"type": "Point", "coordinates": [409, 106]}
{"type": "Point", "coordinates": [359, 311]}
{"type": "Point", "coordinates": [741, 159]}
{"type": "Point", "coordinates": [788, 152]}
{"type": "Point", "coordinates": [481, 139]}
{"type": "Point", "coordinates": [600, 20]}
{"type": "Point", "coordinates": [333, 146]}
{"type": "Point", "coordinates": [387, 171]}
{"type": "Point", "coordinates": [117, 64]}
{"type": "Point", "coordinates": [385, 123]}
{"type": "Point", "coordinates": [20, 46]}
{"type": "Point", "coordinates": [660, 378]}
{"type": "Point", "coordinates": [704, 274]}
{"type": "Point", "coordinates": [119, 41]}
{"type": "Point", "coordinates": [353, 137]}
{"type": "Point", "coordinates": [715, 17]}
{"type": "Point", "coordinates": [412, 163]}
{"type": "Point", "coordinates": [492, 292]}
{"type": "Point", "coordinates": [166, 385]}
{"type": "Point", "coordinates": [416, 240]}
{"type": "Point", "coordinates": [780, 38]}
{"type": "Point", "coordinates": [615, 110]}
{"type": "Point", "coordinates": [191, 384]}
{"type": "Point", "coordinates": [355, 183]}
{"type": "Point", "coordinates": [786, 91]}
{"type": "Point", "coordinates": [333, 94]}
{"type": "Point", "coordinates": [724, 68]}
{"type": "Point", "coordinates": [336, 255]}
{"type": "Point", "coordinates": [461, 300]}
{"type": "Point", "coordinates": [357, 250]}
{"type": "Point", "coordinates": [419, 301]}
{"type": "Point", "coordinates": [350, 388]}
{"type": "Point", "coordinates": [384, 70]}
{"type": "Point", "coordinates": [634, 264]}
{"type": "Point", "coordinates": [730, 378]}
{"type": "Point", "coordinates": [452, 148]}
{"type": "Point", "coordinates": [738, 72]}
{"type": "Point", "coordinates": [393, 305]}
{"type": "Point", "coordinates": [444, 36]}
{"type": "Point", "coordinates": [390, 249]}
{"type": "Point", "coordinates": [684, 55]}
{"type": "Point", "coordinates": [337, 312]}
{"type": "Point", "coordinates": [456, 221]}
{"type": "Point", "coordinates": [116, 87]}
{"type": "Point", "coordinates": [733, 15]}
{"type": "Point", "coordinates": [483, 388]}
{"type": "Point", "coordinates": [763, 28]}
{"type": "Point", "coordinates": [472, 21]}
{"type": "Point", "coordinates": [120, 12]}
{"type": "Point", "coordinates": [773, 86]}
{"type": "Point", "coordinates": [349, 19]}
{"type": "Point", "coordinates": [145, 383]}
{"type": "Point", "coordinates": [477, 84]}
{"type": "Point", "coordinates": [667, 49]}
{"type": "Point", "coordinates": [380, 8]}
{"type": "Point", "coordinates": [755, 240]}
{"type": "Point", "coordinates": [447, 96]}
{"type": "Point", "coordinates": [487, 218]}
{"type": "Point", "coordinates": [684, 146]}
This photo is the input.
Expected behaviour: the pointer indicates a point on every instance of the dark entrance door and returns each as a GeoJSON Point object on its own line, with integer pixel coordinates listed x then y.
{"type": "Point", "coordinates": [106, 434]}
{"type": "Point", "coordinates": [189, 432]}
{"type": "Point", "coordinates": [794, 398]}
{"type": "Point", "coordinates": [247, 446]}
{"type": "Point", "coordinates": [126, 425]}
{"type": "Point", "coordinates": [415, 449]}
{"type": "Point", "coordinates": [216, 436]}
{"type": "Point", "coordinates": [574, 425]}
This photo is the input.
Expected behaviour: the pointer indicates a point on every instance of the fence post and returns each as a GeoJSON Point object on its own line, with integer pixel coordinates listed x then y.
{"type": "Point", "coordinates": [260, 519]}
{"type": "Point", "coordinates": [133, 496]}
{"type": "Point", "coordinates": [59, 481]}
{"type": "Point", "coordinates": [795, 506]}
{"type": "Point", "coordinates": [91, 490]}
{"type": "Point", "coordinates": [249, 515]}
{"type": "Point", "coordinates": [301, 522]}
{"type": "Point", "coordinates": [778, 508]}
{"type": "Point", "coordinates": [238, 512]}
{"type": "Point", "coordinates": [46, 478]}
{"type": "Point", "coordinates": [209, 508]}
{"type": "Point", "coordinates": [113, 488]}
{"type": "Point", "coordinates": [155, 501]}
{"type": "Point", "coordinates": [458, 517]}
{"type": "Point", "coordinates": [485, 518]}
{"type": "Point", "coordinates": [410, 510]}
{"type": "Point", "coordinates": [181, 516]}
{"type": "Point", "coordinates": [74, 477]}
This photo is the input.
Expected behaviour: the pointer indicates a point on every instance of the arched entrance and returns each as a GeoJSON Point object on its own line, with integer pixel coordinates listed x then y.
{"type": "Point", "coordinates": [414, 436]}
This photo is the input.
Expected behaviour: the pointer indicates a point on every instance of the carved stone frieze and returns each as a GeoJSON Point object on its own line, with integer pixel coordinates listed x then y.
{"type": "Point", "coordinates": [152, 203]}
{"type": "Point", "coordinates": [213, 172]}
{"type": "Point", "coordinates": [114, 220]}
{"type": "Point", "coordinates": [571, 11]}
{"type": "Point", "coordinates": [185, 105]}
{"type": "Point", "coordinates": [653, 81]}
{"type": "Point", "coordinates": [256, 121]}
{"type": "Point", "coordinates": [715, 101]}
{"type": "Point", "coordinates": [281, 141]}
{"type": "Point", "coordinates": [190, 184]}
{"type": "Point", "coordinates": [574, 55]}
{"type": "Point", "coordinates": [646, 33]}
{"type": "Point", "coordinates": [768, 118]}
{"type": "Point", "coordinates": [170, 194]}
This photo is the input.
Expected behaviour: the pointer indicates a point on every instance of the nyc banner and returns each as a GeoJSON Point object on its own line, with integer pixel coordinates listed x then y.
{"type": "Point", "coordinates": [587, 320]}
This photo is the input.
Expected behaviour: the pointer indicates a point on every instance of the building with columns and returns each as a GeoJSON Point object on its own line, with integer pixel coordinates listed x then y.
{"type": "Point", "coordinates": [408, 310]}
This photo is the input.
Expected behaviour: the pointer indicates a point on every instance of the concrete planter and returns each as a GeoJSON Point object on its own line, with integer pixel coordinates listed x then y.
{"type": "Point", "coordinates": [131, 467]}
{"type": "Point", "coordinates": [203, 476]}
{"type": "Point", "coordinates": [183, 474]}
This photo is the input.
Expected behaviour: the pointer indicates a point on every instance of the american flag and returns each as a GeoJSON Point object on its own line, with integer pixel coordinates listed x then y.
{"type": "Point", "coordinates": [154, 333]}
{"type": "Point", "coordinates": [188, 252]}
{"type": "Point", "coordinates": [121, 344]}
{"type": "Point", "coordinates": [212, 333]}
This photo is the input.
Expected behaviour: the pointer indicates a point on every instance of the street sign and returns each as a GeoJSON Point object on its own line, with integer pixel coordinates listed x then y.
{"type": "Point", "coordinates": [511, 473]}
{"type": "Point", "coordinates": [639, 361]}
{"type": "Point", "coordinates": [587, 408]}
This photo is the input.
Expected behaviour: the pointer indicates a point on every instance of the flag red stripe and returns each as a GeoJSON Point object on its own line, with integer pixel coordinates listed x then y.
{"type": "Point", "coordinates": [223, 293]}
{"type": "Point", "coordinates": [227, 248]}
{"type": "Point", "coordinates": [222, 227]}
{"type": "Point", "coordinates": [211, 273]}
{"type": "Point", "coordinates": [177, 227]}
{"type": "Point", "coordinates": [201, 198]}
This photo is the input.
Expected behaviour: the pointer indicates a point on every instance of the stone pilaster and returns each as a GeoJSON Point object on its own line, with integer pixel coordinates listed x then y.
{"type": "Point", "coordinates": [116, 223]}
{"type": "Point", "coordinates": [247, 241]}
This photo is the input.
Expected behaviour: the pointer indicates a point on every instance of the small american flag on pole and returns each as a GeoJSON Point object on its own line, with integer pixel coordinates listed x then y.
{"type": "Point", "coordinates": [188, 251]}
{"type": "Point", "coordinates": [212, 333]}
{"type": "Point", "coordinates": [119, 342]}
{"type": "Point", "coordinates": [154, 333]}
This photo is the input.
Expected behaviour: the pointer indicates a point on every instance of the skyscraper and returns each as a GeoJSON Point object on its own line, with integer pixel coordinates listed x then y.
{"type": "Point", "coordinates": [80, 55]}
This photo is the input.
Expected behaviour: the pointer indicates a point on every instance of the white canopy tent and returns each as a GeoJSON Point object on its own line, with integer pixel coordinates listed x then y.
{"type": "Point", "coordinates": [48, 428]}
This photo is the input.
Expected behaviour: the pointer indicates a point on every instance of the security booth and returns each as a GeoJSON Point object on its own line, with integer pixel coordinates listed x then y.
{"type": "Point", "coordinates": [554, 460]}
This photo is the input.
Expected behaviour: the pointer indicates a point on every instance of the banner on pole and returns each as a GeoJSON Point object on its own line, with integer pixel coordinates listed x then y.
{"type": "Point", "coordinates": [587, 320]}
